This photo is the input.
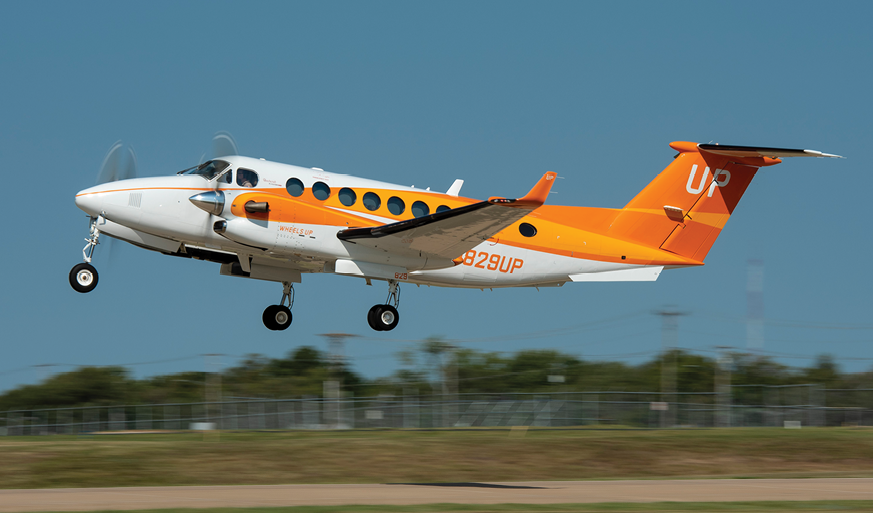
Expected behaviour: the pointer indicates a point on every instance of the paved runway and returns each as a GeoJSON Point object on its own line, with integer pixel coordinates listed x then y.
{"type": "Point", "coordinates": [534, 492]}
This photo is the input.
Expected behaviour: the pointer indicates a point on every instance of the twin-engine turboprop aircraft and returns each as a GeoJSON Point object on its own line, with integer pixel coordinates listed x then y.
{"type": "Point", "coordinates": [274, 222]}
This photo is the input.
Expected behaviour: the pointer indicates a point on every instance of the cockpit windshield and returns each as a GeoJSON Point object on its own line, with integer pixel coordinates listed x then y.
{"type": "Point", "coordinates": [209, 169]}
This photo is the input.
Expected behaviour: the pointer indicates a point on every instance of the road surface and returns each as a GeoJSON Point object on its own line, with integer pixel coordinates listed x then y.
{"type": "Point", "coordinates": [533, 492]}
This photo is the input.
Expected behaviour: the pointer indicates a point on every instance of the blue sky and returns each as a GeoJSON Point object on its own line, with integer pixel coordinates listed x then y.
{"type": "Point", "coordinates": [418, 93]}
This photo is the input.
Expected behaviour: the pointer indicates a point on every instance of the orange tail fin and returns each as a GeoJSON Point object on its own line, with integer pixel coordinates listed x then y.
{"type": "Point", "coordinates": [684, 209]}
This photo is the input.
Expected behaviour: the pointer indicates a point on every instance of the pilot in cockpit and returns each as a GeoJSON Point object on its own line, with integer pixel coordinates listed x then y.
{"type": "Point", "coordinates": [246, 178]}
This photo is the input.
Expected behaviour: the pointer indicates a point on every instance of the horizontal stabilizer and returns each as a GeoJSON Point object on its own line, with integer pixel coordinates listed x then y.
{"type": "Point", "coordinates": [762, 151]}
{"type": "Point", "coordinates": [636, 274]}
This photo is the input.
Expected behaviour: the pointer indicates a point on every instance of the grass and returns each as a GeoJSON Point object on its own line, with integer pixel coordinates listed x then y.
{"type": "Point", "coordinates": [430, 456]}
{"type": "Point", "coordinates": [618, 507]}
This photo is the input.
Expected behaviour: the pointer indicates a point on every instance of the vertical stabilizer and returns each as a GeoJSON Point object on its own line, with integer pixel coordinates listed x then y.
{"type": "Point", "coordinates": [684, 209]}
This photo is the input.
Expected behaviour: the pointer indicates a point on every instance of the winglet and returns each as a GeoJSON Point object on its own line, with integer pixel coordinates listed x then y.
{"type": "Point", "coordinates": [537, 196]}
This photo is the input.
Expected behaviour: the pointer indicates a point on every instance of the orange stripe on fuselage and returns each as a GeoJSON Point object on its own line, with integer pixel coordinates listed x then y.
{"type": "Point", "coordinates": [576, 232]}
{"type": "Point", "coordinates": [271, 189]}
{"type": "Point", "coordinates": [310, 210]}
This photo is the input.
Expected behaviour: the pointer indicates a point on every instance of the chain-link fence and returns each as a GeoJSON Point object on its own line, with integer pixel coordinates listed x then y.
{"type": "Point", "coordinates": [750, 405]}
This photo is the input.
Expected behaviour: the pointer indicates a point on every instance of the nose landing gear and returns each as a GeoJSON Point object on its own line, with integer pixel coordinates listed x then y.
{"type": "Point", "coordinates": [278, 317]}
{"type": "Point", "coordinates": [83, 277]}
{"type": "Point", "coordinates": [385, 317]}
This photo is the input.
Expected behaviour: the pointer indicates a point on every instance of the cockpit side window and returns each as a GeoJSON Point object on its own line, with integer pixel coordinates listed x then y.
{"type": "Point", "coordinates": [246, 178]}
{"type": "Point", "coordinates": [228, 177]}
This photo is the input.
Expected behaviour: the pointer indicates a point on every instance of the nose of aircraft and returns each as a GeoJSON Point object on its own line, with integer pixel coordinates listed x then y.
{"type": "Point", "coordinates": [91, 200]}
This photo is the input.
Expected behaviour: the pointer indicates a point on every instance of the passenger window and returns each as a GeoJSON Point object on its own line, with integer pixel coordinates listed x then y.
{"type": "Point", "coordinates": [246, 178]}
{"type": "Point", "coordinates": [396, 205]}
{"type": "Point", "coordinates": [372, 201]}
{"type": "Point", "coordinates": [294, 187]}
{"type": "Point", "coordinates": [320, 190]}
{"type": "Point", "coordinates": [420, 209]}
{"type": "Point", "coordinates": [528, 230]}
{"type": "Point", "coordinates": [442, 208]}
{"type": "Point", "coordinates": [347, 196]}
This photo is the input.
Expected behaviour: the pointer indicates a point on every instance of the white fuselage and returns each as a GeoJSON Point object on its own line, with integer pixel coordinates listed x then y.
{"type": "Point", "coordinates": [156, 213]}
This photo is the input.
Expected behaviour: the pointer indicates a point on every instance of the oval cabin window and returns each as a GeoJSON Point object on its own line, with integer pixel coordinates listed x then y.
{"type": "Point", "coordinates": [420, 209]}
{"type": "Point", "coordinates": [320, 190]}
{"type": "Point", "coordinates": [294, 187]}
{"type": "Point", "coordinates": [347, 196]}
{"type": "Point", "coordinates": [528, 230]}
{"type": "Point", "coordinates": [396, 205]}
{"type": "Point", "coordinates": [372, 201]}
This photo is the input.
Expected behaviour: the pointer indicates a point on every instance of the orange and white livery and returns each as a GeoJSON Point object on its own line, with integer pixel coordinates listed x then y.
{"type": "Point", "coordinates": [270, 221]}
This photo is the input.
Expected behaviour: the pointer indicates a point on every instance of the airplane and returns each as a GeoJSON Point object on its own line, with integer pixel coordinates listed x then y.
{"type": "Point", "coordinates": [270, 221]}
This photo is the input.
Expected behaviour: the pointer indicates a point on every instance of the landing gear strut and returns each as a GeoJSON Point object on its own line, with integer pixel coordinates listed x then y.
{"type": "Point", "coordinates": [83, 277]}
{"type": "Point", "coordinates": [278, 317]}
{"type": "Point", "coordinates": [385, 317]}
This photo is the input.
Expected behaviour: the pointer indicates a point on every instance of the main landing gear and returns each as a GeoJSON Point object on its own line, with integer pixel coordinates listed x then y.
{"type": "Point", "coordinates": [83, 277]}
{"type": "Point", "coordinates": [385, 317]}
{"type": "Point", "coordinates": [278, 317]}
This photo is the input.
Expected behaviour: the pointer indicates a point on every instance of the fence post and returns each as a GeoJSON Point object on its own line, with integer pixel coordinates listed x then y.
{"type": "Point", "coordinates": [595, 409]}
{"type": "Point", "coordinates": [116, 419]}
{"type": "Point", "coordinates": [723, 390]}
{"type": "Point", "coordinates": [143, 418]}
{"type": "Point", "coordinates": [410, 408]}
{"type": "Point", "coordinates": [14, 421]}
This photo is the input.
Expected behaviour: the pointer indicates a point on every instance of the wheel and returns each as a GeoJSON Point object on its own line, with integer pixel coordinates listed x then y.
{"type": "Point", "coordinates": [385, 317]}
{"type": "Point", "coordinates": [83, 278]}
{"type": "Point", "coordinates": [371, 317]}
{"type": "Point", "coordinates": [283, 317]}
{"type": "Point", "coordinates": [277, 317]}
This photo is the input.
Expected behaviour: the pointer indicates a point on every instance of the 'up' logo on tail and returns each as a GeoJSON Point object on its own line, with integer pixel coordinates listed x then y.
{"type": "Point", "coordinates": [718, 172]}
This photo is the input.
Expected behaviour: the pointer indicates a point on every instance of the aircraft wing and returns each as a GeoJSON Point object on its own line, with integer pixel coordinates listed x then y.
{"type": "Point", "coordinates": [451, 233]}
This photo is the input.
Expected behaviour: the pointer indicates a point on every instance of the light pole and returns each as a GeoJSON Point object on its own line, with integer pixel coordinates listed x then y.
{"type": "Point", "coordinates": [333, 388]}
{"type": "Point", "coordinates": [723, 387]}
{"type": "Point", "coordinates": [447, 372]}
{"type": "Point", "coordinates": [212, 388]}
{"type": "Point", "coordinates": [669, 341]}
{"type": "Point", "coordinates": [755, 305]}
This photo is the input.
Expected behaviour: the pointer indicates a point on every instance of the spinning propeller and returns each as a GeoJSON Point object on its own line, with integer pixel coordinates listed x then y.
{"type": "Point", "coordinates": [223, 145]}
{"type": "Point", "coordinates": [119, 164]}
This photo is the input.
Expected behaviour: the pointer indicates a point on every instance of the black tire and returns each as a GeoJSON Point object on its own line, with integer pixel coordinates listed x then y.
{"type": "Point", "coordinates": [269, 317]}
{"type": "Point", "coordinates": [83, 278]}
{"type": "Point", "coordinates": [387, 318]}
{"type": "Point", "coordinates": [277, 317]}
{"type": "Point", "coordinates": [371, 317]}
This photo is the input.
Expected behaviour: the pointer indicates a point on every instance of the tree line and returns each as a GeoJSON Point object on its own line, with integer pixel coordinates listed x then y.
{"type": "Point", "coordinates": [434, 368]}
